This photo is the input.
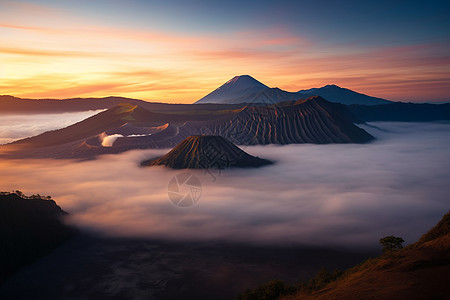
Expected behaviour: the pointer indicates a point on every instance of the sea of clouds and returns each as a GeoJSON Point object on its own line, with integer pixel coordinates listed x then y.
{"type": "Point", "coordinates": [337, 194]}
{"type": "Point", "coordinates": [14, 127]}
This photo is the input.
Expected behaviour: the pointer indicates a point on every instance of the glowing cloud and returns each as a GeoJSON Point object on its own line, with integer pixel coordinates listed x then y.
{"type": "Point", "coordinates": [50, 51]}
{"type": "Point", "coordinates": [108, 140]}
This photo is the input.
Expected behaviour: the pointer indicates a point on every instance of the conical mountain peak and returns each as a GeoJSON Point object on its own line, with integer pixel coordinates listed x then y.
{"type": "Point", "coordinates": [243, 82]}
{"type": "Point", "coordinates": [233, 89]}
{"type": "Point", "coordinates": [207, 152]}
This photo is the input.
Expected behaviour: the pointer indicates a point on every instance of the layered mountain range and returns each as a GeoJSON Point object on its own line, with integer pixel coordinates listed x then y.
{"type": "Point", "coordinates": [125, 126]}
{"type": "Point", "coordinates": [246, 89]}
{"type": "Point", "coordinates": [238, 93]}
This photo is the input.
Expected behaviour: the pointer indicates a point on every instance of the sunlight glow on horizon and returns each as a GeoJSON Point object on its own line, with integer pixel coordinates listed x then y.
{"type": "Point", "coordinates": [48, 52]}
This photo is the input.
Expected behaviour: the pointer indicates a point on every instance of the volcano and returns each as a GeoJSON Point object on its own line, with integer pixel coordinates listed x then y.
{"type": "Point", "coordinates": [246, 89]}
{"type": "Point", "coordinates": [125, 127]}
{"type": "Point", "coordinates": [233, 90]}
{"type": "Point", "coordinates": [207, 152]}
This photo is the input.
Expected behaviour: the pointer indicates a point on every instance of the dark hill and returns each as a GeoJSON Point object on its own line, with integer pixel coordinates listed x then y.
{"type": "Point", "coordinates": [207, 152]}
{"type": "Point", "coordinates": [404, 112]}
{"type": "Point", "coordinates": [394, 111]}
{"type": "Point", "coordinates": [10, 104]}
{"type": "Point", "coordinates": [29, 229]}
{"type": "Point", "coordinates": [338, 94]}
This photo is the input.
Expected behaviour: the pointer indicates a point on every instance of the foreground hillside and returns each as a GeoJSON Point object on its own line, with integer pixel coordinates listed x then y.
{"type": "Point", "coordinates": [30, 227]}
{"type": "Point", "coordinates": [419, 271]}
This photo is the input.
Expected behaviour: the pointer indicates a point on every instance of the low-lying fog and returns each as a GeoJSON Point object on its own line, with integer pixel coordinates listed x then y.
{"type": "Point", "coordinates": [340, 194]}
{"type": "Point", "coordinates": [13, 127]}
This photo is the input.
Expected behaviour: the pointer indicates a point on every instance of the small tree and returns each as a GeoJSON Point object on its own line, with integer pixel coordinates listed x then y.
{"type": "Point", "coordinates": [391, 243]}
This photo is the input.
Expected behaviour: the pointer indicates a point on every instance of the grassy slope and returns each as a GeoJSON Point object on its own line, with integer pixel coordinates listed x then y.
{"type": "Point", "coordinates": [419, 271]}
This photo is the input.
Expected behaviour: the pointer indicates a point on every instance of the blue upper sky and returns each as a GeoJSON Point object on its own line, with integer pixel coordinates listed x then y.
{"type": "Point", "coordinates": [369, 21]}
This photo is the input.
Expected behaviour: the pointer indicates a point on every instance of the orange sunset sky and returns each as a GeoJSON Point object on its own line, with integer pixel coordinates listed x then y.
{"type": "Point", "coordinates": [181, 51]}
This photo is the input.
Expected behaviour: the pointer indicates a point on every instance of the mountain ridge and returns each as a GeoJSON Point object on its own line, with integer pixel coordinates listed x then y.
{"type": "Point", "coordinates": [256, 92]}
{"type": "Point", "coordinates": [395, 111]}
{"type": "Point", "coordinates": [335, 93]}
{"type": "Point", "coordinates": [132, 127]}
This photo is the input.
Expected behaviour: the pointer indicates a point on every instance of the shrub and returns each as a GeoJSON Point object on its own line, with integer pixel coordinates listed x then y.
{"type": "Point", "coordinates": [391, 243]}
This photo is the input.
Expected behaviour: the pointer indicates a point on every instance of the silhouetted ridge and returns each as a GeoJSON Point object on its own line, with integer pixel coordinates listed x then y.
{"type": "Point", "coordinates": [418, 271]}
{"type": "Point", "coordinates": [29, 229]}
{"type": "Point", "coordinates": [404, 112]}
{"type": "Point", "coordinates": [441, 229]}
{"type": "Point", "coordinates": [10, 104]}
{"type": "Point", "coordinates": [207, 152]}
{"type": "Point", "coordinates": [337, 94]}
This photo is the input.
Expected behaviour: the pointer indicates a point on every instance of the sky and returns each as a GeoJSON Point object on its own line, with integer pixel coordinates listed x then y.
{"type": "Point", "coordinates": [336, 194]}
{"type": "Point", "coordinates": [179, 51]}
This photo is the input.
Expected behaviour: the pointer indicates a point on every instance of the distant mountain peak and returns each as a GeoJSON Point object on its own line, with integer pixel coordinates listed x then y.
{"type": "Point", "coordinates": [332, 86]}
{"type": "Point", "coordinates": [240, 77]}
{"type": "Point", "coordinates": [243, 82]}
{"type": "Point", "coordinates": [246, 89]}
{"type": "Point", "coordinates": [235, 87]}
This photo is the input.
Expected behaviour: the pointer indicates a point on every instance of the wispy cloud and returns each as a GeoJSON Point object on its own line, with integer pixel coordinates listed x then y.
{"type": "Point", "coordinates": [42, 52]}
{"type": "Point", "coordinates": [44, 41]}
